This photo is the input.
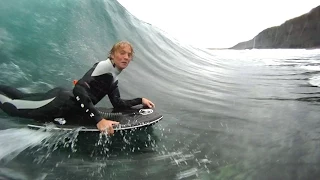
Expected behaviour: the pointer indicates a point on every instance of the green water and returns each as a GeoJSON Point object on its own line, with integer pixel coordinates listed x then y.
{"type": "Point", "coordinates": [227, 114]}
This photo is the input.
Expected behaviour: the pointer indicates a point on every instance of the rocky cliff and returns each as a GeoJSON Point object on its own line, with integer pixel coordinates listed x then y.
{"type": "Point", "coordinates": [300, 32]}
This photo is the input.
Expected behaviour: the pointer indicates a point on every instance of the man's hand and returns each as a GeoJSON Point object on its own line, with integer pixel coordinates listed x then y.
{"type": "Point", "coordinates": [148, 103]}
{"type": "Point", "coordinates": [106, 126]}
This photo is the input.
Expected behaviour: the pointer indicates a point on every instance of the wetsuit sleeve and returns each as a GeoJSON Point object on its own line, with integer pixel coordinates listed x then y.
{"type": "Point", "coordinates": [117, 102]}
{"type": "Point", "coordinates": [82, 97]}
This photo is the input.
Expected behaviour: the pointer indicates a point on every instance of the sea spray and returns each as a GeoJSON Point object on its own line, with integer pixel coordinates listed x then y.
{"type": "Point", "coordinates": [13, 141]}
{"type": "Point", "coordinates": [60, 140]}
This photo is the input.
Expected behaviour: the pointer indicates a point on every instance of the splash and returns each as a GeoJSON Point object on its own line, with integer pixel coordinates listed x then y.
{"type": "Point", "coordinates": [315, 81]}
{"type": "Point", "coordinates": [13, 141]}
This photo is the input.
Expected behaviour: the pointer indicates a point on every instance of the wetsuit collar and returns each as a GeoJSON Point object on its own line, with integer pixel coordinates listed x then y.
{"type": "Point", "coordinates": [115, 71]}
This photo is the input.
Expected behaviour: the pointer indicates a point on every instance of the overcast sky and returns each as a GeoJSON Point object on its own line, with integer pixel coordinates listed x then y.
{"type": "Point", "coordinates": [217, 24]}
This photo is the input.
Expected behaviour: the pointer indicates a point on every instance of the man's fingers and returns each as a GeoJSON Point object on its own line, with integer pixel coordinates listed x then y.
{"type": "Point", "coordinates": [106, 126]}
{"type": "Point", "coordinates": [111, 131]}
{"type": "Point", "coordinates": [108, 131]}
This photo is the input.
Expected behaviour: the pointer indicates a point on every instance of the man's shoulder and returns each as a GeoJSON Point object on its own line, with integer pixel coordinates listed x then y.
{"type": "Point", "coordinates": [102, 67]}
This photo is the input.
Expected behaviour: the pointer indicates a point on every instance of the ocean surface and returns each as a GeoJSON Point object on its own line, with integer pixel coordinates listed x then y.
{"type": "Point", "coordinates": [228, 114]}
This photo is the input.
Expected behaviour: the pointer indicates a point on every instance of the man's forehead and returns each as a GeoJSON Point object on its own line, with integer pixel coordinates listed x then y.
{"type": "Point", "coordinates": [125, 47]}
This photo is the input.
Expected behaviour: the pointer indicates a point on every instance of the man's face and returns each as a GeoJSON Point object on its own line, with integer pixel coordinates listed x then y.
{"type": "Point", "coordinates": [122, 56]}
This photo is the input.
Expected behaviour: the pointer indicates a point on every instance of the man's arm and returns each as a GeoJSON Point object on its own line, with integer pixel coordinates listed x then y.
{"type": "Point", "coordinates": [85, 102]}
{"type": "Point", "coordinates": [117, 102]}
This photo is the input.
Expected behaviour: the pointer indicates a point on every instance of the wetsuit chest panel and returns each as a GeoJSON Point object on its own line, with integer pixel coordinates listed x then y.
{"type": "Point", "coordinates": [100, 79]}
{"type": "Point", "coordinates": [99, 87]}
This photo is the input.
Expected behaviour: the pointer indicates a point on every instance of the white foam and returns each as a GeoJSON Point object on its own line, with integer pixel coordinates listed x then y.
{"type": "Point", "coordinates": [13, 141]}
{"type": "Point", "coordinates": [187, 173]}
{"type": "Point", "coordinates": [315, 80]}
{"type": "Point", "coordinates": [311, 68]}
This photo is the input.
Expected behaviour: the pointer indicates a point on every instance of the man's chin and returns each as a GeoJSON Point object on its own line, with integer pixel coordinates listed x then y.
{"type": "Point", "coordinates": [122, 67]}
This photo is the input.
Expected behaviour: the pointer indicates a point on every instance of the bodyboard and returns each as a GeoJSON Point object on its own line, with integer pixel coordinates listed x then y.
{"type": "Point", "coordinates": [133, 118]}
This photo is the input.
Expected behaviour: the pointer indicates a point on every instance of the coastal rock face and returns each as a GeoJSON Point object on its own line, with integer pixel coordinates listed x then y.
{"type": "Point", "coordinates": [300, 32]}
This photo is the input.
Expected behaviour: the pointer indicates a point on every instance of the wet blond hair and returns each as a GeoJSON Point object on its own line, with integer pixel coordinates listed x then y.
{"type": "Point", "coordinates": [118, 45]}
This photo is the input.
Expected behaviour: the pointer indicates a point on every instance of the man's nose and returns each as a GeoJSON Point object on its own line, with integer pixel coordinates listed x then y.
{"type": "Point", "coordinates": [126, 56]}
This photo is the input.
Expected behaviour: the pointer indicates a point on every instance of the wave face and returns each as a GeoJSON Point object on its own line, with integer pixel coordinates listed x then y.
{"type": "Point", "coordinates": [227, 114]}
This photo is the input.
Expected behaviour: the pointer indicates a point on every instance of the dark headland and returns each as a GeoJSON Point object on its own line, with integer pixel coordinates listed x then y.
{"type": "Point", "coordinates": [302, 32]}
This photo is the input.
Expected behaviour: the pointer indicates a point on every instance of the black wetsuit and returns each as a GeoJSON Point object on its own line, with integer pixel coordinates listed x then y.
{"type": "Point", "coordinates": [99, 81]}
